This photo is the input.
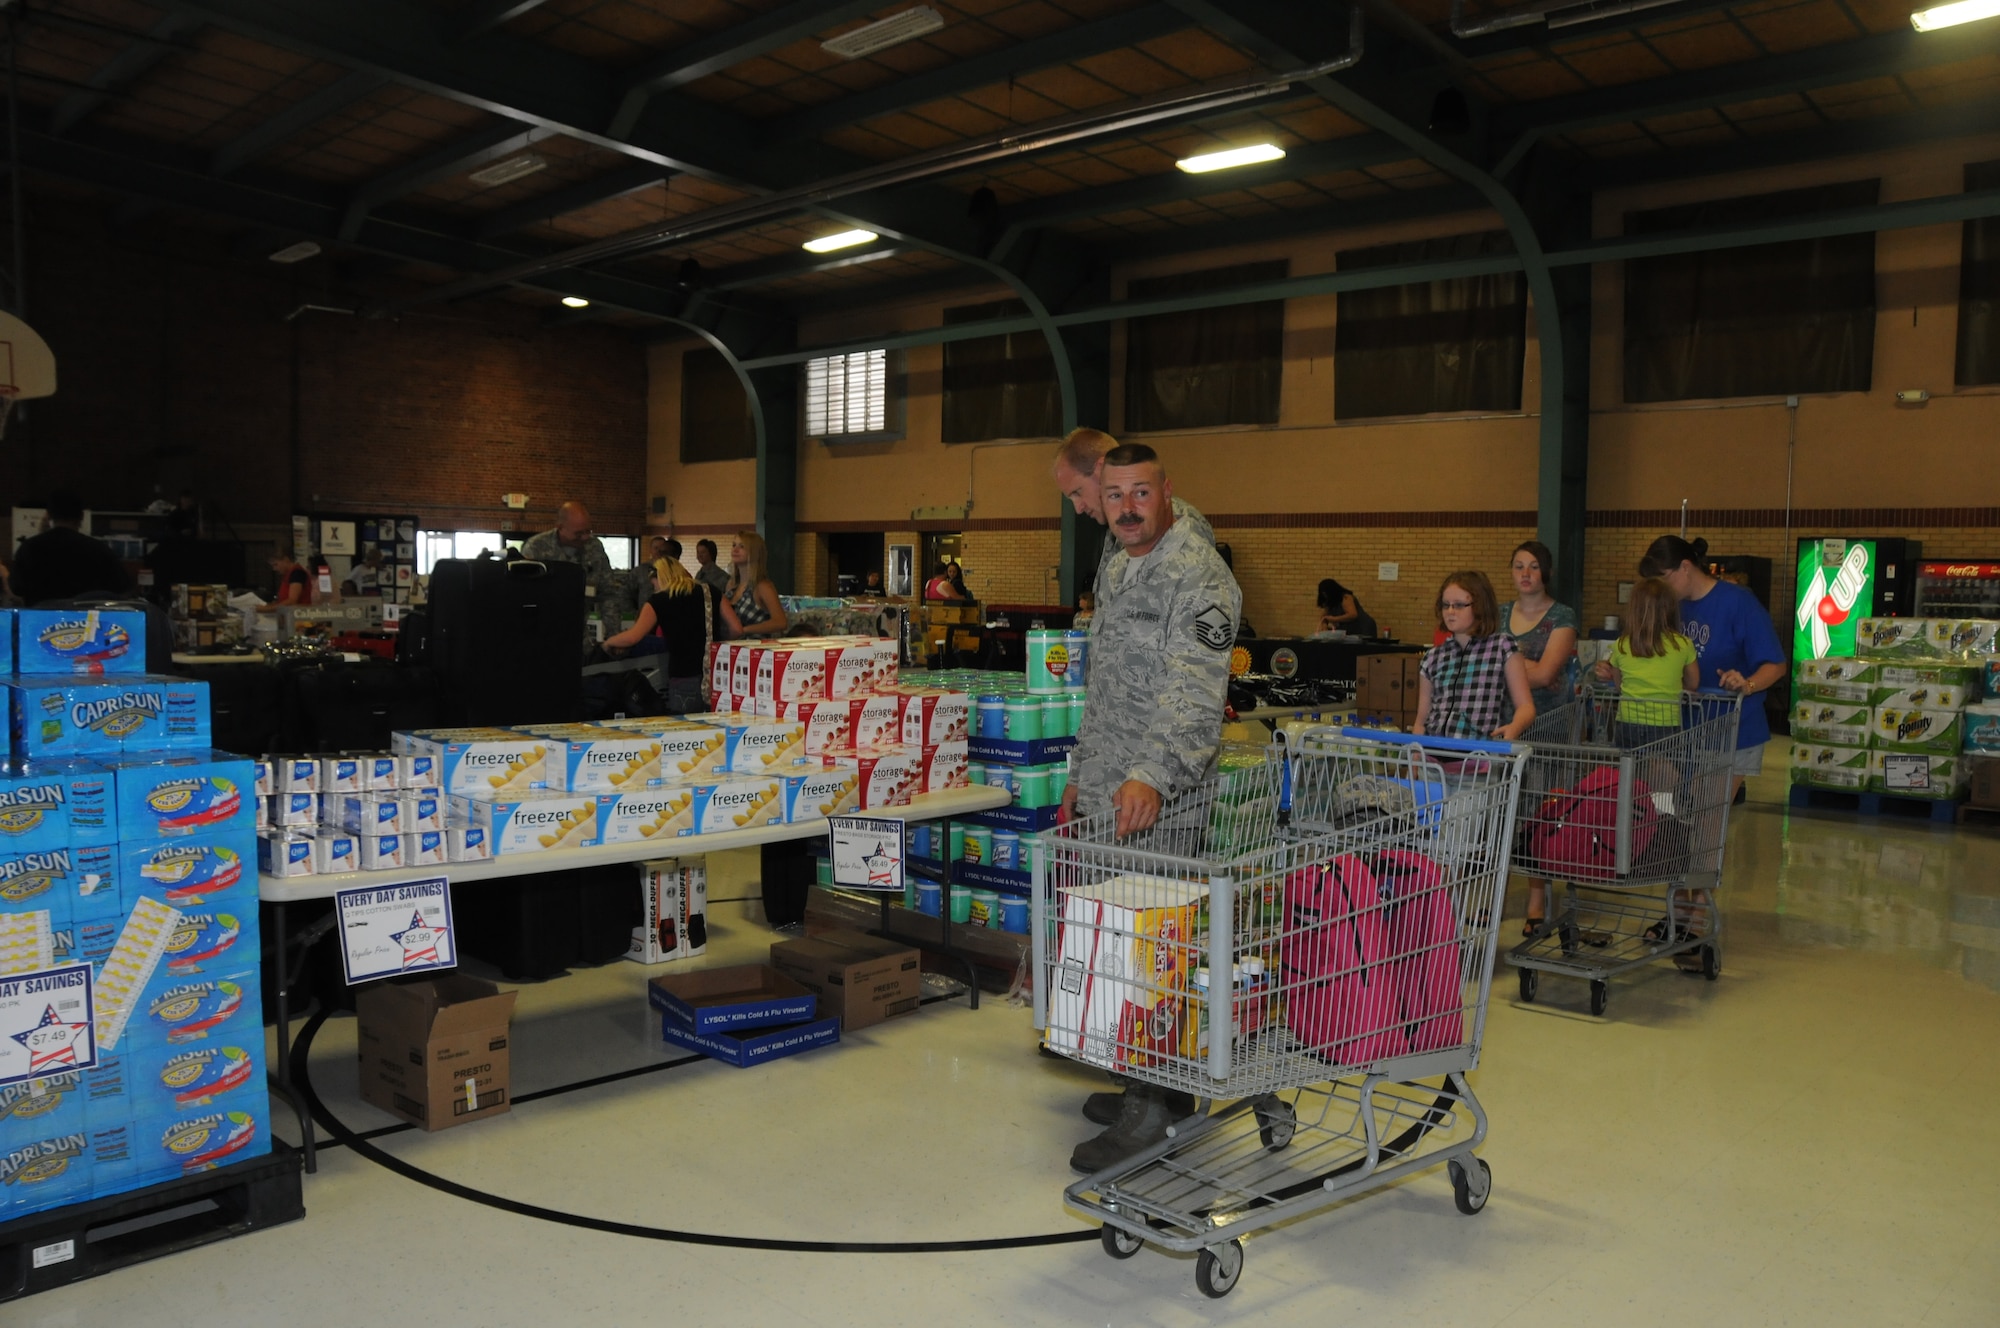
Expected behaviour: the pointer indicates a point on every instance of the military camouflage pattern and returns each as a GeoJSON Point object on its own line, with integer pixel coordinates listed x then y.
{"type": "Point", "coordinates": [1159, 670]}
{"type": "Point", "coordinates": [715, 579]}
{"type": "Point", "coordinates": [607, 591]}
{"type": "Point", "coordinates": [1183, 512]}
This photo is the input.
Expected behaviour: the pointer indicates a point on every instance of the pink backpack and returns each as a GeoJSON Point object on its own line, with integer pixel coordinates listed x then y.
{"type": "Point", "coordinates": [1340, 1000]}
{"type": "Point", "coordinates": [1423, 934]}
{"type": "Point", "coordinates": [1574, 834]}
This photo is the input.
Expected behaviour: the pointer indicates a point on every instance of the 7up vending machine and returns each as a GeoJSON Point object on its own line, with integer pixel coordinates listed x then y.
{"type": "Point", "coordinates": [1840, 582]}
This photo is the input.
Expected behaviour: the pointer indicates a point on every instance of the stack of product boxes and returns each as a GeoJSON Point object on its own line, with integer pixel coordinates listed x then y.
{"type": "Point", "coordinates": [801, 730]}
{"type": "Point", "coordinates": [129, 951]}
{"type": "Point", "coordinates": [1898, 718]}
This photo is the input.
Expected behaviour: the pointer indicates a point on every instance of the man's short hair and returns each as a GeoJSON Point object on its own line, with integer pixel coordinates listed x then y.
{"type": "Point", "coordinates": [65, 505]}
{"type": "Point", "coordinates": [708, 544]}
{"type": "Point", "coordinates": [674, 549]}
{"type": "Point", "coordinates": [1083, 449]}
{"type": "Point", "coordinates": [1131, 454]}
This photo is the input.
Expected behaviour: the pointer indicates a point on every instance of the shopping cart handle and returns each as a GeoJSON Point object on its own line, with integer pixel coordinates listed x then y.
{"type": "Point", "coordinates": [1433, 744]}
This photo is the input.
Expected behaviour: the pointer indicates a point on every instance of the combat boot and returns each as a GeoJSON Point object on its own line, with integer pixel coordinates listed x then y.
{"type": "Point", "coordinates": [1142, 1122]}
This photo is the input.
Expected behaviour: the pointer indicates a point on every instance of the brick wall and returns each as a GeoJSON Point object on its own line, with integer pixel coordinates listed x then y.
{"type": "Point", "coordinates": [176, 368]}
{"type": "Point", "coordinates": [1012, 566]}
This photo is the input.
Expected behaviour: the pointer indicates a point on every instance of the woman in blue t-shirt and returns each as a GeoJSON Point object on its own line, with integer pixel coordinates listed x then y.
{"type": "Point", "coordinates": [1733, 638]}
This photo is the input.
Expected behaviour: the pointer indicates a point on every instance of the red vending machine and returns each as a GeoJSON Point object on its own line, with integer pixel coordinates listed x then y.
{"type": "Point", "coordinates": [1960, 588]}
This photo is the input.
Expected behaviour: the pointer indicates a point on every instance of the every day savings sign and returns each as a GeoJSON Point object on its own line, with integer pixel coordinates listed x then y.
{"type": "Point", "coordinates": [45, 1023]}
{"type": "Point", "coordinates": [387, 931]}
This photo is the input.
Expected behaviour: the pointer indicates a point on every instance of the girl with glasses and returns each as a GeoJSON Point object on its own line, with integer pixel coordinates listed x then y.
{"type": "Point", "coordinates": [1469, 681]}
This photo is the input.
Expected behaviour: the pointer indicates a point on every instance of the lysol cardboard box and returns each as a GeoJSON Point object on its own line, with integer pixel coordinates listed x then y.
{"type": "Point", "coordinates": [860, 979]}
{"type": "Point", "coordinates": [89, 641]}
{"type": "Point", "coordinates": [674, 895]}
{"type": "Point", "coordinates": [435, 1052]}
{"type": "Point", "coordinates": [753, 1046]}
{"type": "Point", "coordinates": [743, 996]}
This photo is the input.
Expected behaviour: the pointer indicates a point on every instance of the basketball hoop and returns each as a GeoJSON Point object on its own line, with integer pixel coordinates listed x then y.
{"type": "Point", "coordinates": [9, 394]}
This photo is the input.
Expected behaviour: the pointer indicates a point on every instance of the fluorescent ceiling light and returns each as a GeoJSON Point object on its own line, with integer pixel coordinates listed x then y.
{"type": "Point", "coordinates": [1256, 152]}
{"type": "Point", "coordinates": [1950, 16]}
{"type": "Point", "coordinates": [575, 302]}
{"type": "Point", "coordinates": [293, 253]}
{"type": "Point", "coordinates": [826, 244]}
{"type": "Point", "coordinates": [881, 35]}
{"type": "Point", "coordinates": [500, 172]}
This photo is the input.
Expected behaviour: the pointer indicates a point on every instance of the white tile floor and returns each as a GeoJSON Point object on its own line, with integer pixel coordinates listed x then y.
{"type": "Point", "coordinates": [1808, 1140]}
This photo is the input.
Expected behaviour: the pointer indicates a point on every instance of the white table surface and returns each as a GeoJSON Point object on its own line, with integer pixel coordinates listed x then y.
{"type": "Point", "coordinates": [297, 889]}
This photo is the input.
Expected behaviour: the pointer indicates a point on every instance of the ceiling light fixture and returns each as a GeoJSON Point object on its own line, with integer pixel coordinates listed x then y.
{"type": "Point", "coordinates": [1222, 161]}
{"type": "Point", "coordinates": [884, 33]}
{"type": "Point", "coordinates": [826, 244]}
{"type": "Point", "coordinates": [575, 302]}
{"type": "Point", "coordinates": [1950, 16]}
{"type": "Point", "coordinates": [294, 253]}
{"type": "Point", "coordinates": [500, 172]}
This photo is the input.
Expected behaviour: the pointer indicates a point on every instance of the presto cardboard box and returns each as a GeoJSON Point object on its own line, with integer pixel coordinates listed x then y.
{"type": "Point", "coordinates": [435, 1052]}
{"type": "Point", "coordinates": [861, 979]}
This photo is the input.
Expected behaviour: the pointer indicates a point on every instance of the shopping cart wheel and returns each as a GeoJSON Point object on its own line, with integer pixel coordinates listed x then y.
{"type": "Point", "coordinates": [1600, 995]}
{"type": "Point", "coordinates": [1711, 962]}
{"type": "Point", "coordinates": [1119, 1244]}
{"type": "Point", "coordinates": [1470, 1186]}
{"type": "Point", "coordinates": [1218, 1267]}
{"type": "Point", "coordinates": [1531, 982]}
{"type": "Point", "coordinates": [1276, 1123]}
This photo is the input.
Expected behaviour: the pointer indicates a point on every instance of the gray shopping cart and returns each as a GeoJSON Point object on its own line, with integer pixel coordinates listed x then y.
{"type": "Point", "coordinates": [1627, 803]}
{"type": "Point", "coordinates": [1310, 940]}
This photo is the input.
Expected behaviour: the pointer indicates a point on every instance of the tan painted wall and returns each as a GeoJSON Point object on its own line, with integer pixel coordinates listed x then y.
{"type": "Point", "coordinates": [710, 496]}
{"type": "Point", "coordinates": [1853, 450]}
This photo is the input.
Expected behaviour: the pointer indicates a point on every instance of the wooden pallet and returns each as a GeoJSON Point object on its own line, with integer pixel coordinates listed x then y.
{"type": "Point", "coordinates": [1968, 814]}
{"type": "Point", "coordinates": [46, 1250]}
{"type": "Point", "coordinates": [1804, 797]}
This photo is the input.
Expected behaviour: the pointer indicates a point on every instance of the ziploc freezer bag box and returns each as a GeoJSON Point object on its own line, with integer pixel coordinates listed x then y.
{"type": "Point", "coordinates": [504, 766]}
{"type": "Point", "coordinates": [58, 717]}
{"type": "Point", "coordinates": [644, 814]}
{"type": "Point", "coordinates": [217, 871]}
{"type": "Point", "coordinates": [534, 824]}
{"type": "Point", "coordinates": [761, 746]}
{"type": "Point", "coordinates": [606, 760]}
{"type": "Point", "coordinates": [829, 791]}
{"type": "Point", "coordinates": [736, 802]}
{"type": "Point", "coordinates": [97, 642]}
{"type": "Point", "coordinates": [174, 796]}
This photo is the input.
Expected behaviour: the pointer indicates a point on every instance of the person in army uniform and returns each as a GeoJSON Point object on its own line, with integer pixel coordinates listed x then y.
{"type": "Point", "coordinates": [607, 591]}
{"type": "Point", "coordinates": [1152, 718]}
{"type": "Point", "coordinates": [1079, 462]}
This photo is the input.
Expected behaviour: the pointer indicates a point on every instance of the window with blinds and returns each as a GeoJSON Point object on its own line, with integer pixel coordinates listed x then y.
{"type": "Point", "coordinates": [850, 398]}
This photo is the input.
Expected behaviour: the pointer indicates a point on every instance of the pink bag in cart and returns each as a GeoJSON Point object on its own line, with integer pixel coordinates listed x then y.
{"type": "Point", "coordinates": [1423, 935]}
{"type": "Point", "coordinates": [1340, 999]}
{"type": "Point", "coordinates": [1574, 834]}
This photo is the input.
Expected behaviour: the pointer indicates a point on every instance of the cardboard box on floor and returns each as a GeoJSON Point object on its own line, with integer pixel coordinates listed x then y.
{"type": "Point", "coordinates": [435, 1052]}
{"type": "Point", "coordinates": [1985, 781]}
{"type": "Point", "coordinates": [863, 979]}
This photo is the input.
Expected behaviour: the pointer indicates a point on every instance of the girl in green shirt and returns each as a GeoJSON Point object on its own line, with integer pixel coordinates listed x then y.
{"type": "Point", "coordinates": [1653, 663]}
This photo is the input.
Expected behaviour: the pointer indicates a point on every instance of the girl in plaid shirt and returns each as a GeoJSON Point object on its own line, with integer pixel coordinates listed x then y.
{"type": "Point", "coordinates": [1468, 678]}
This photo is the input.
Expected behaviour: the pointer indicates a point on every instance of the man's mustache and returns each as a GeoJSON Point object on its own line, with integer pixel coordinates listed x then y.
{"type": "Point", "coordinates": [1130, 520]}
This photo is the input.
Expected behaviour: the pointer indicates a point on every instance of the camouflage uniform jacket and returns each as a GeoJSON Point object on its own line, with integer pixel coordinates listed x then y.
{"type": "Point", "coordinates": [1159, 671]}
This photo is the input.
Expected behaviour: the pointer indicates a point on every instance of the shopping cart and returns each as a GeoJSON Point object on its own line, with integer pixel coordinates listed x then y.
{"type": "Point", "coordinates": [1630, 816]}
{"type": "Point", "coordinates": [1313, 938]}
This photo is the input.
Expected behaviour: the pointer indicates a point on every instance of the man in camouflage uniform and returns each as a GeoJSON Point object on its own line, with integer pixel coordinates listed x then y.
{"type": "Point", "coordinates": [1079, 462]}
{"type": "Point", "coordinates": [1152, 721]}
{"type": "Point", "coordinates": [606, 590]}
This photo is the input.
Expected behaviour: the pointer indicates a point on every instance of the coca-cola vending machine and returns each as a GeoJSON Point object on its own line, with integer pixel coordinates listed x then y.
{"type": "Point", "coordinates": [1958, 588]}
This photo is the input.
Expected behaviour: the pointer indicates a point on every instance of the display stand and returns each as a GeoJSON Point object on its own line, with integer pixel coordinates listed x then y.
{"type": "Point", "coordinates": [279, 892]}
